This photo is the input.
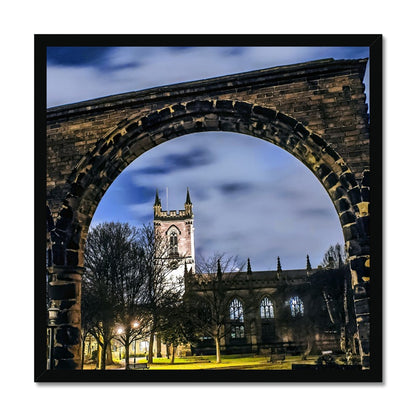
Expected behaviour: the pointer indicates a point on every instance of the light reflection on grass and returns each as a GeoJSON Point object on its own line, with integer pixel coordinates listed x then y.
{"type": "Point", "coordinates": [253, 362]}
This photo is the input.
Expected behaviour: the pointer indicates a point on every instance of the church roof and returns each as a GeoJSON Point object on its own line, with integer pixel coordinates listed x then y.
{"type": "Point", "coordinates": [295, 276]}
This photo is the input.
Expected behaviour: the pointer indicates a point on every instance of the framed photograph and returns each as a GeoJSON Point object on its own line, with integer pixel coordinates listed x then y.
{"type": "Point", "coordinates": [208, 208]}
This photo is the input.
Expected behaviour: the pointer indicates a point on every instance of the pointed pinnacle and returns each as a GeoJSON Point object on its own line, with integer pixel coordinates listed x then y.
{"type": "Point", "coordinates": [248, 267]}
{"type": "Point", "coordinates": [188, 198]}
{"type": "Point", "coordinates": [279, 267]}
{"type": "Point", "coordinates": [308, 263]}
{"type": "Point", "coordinates": [219, 272]}
{"type": "Point", "coordinates": [157, 199]}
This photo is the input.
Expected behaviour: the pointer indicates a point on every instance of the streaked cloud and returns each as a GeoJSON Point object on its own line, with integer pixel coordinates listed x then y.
{"type": "Point", "coordinates": [79, 74]}
{"type": "Point", "coordinates": [251, 198]}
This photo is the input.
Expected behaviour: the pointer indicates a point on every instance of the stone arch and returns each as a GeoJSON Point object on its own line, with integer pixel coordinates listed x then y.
{"type": "Point", "coordinates": [96, 170]}
{"type": "Point", "coordinates": [173, 227]}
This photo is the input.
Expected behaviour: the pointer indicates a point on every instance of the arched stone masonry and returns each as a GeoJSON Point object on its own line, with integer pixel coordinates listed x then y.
{"type": "Point", "coordinates": [97, 170]}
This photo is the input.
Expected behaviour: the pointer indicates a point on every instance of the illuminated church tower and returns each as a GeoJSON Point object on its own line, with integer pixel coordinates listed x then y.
{"type": "Point", "coordinates": [178, 229]}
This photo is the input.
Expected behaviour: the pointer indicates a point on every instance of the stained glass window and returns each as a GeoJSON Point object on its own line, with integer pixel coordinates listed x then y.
{"type": "Point", "coordinates": [266, 308]}
{"type": "Point", "coordinates": [236, 311]}
{"type": "Point", "coordinates": [173, 243]}
{"type": "Point", "coordinates": [237, 331]}
{"type": "Point", "coordinates": [296, 306]}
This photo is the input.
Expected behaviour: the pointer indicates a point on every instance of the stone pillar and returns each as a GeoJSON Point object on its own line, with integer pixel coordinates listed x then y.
{"type": "Point", "coordinates": [65, 292]}
{"type": "Point", "coordinates": [359, 261]}
{"type": "Point", "coordinates": [359, 267]}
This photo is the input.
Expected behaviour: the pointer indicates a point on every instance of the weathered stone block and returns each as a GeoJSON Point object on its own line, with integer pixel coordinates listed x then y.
{"type": "Point", "coordinates": [178, 110]}
{"type": "Point", "coordinates": [68, 335]}
{"type": "Point", "coordinates": [265, 113]}
{"type": "Point", "coordinates": [64, 219]}
{"type": "Point", "coordinates": [347, 218]}
{"type": "Point", "coordinates": [224, 105]}
{"type": "Point", "coordinates": [348, 180]}
{"type": "Point", "coordinates": [365, 194]}
{"type": "Point", "coordinates": [342, 204]}
{"type": "Point", "coordinates": [331, 180]}
{"type": "Point", "coordinates": [302, 130]}
{"type": "Point", "coordinates": [243, 109]}
{"type": "Point", "coordinates": [286, 119]}
{"type": "Point", "coordinates": [361, 306]}
{"type": "Point", "coordinates": [354, 195]}
{"type": "Point", "coordinates": [199, 106]}
{"type": "Point", "coordinates": [62, 291]}
{"type": "Point", "coordinates": [323, 171]}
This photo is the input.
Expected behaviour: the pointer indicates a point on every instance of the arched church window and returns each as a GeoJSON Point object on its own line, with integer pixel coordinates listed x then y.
{"type": "Point", "coordinates": [236, 311]}
{"type": "Point", "coordinates": [173, 244]}
{"type": "Point", "coordinates": [266, 308]}
{"type": "Point", "coordinates": [296, 306]}
{"type": "Point", "coordinates": [237, 331]}
{"type": "Point", "coordinates": [237, 319]}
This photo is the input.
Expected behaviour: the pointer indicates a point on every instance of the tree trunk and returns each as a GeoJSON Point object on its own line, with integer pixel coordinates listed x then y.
{"type": "Point", "coordinates": [343, 339]}
{"type": "Point", "coordinates": [167, 350]}
{"type": "Point", "coordinates": [310, 341]}
{"type": "Point", "coordinates": [158, 346]}
{"type": "Point", "coordinates": [217, 348]}
{"type": "Point", "coordinates": [328, 306]}
{"type": "Point", "coordinates": [82, 352]}
{"type": "Point", "coordinates": [103, 355]}
{"type": "Point", "coordinates": [151, 342]}
{"type": "Point", "coordinates": [127, 354]}
{"type": "Point", "coordinates": [109, 355]}
{"type": "Point", "coordinates": [172, 359]}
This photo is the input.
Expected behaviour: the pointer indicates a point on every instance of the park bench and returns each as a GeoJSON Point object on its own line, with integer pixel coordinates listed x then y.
{"type": "Point", "coordinates": [200, 358]}
{"type": "Point", "coordinates": [139, 366]}
{"type": "Point", "coordinates": [277, 357]}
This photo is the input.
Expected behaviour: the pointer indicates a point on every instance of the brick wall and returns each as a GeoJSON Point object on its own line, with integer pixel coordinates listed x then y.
{"type": "Point", "coordinates": [327, 96]}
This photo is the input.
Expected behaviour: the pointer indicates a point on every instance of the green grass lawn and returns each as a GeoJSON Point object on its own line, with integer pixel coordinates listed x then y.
{"type": "Point", "coordinates": [228, 362]}
{"type": "Point", "coordinates": [238, 362]}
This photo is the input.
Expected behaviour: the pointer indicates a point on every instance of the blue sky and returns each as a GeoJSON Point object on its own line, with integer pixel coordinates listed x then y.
{"type": "Point", "coordinates": [251, 198]}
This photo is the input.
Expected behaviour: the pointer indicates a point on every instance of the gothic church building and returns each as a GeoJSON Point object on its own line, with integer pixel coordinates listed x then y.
{"type": "Point", "coordinates": [294, 311]}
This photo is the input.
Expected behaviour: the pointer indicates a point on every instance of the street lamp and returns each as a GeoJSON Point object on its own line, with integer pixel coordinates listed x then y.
{"type": "Point", "coordinates": [135, 326]}
{"type": "Point", "coordinates": [120, 330]}
{"type": "Point", "coordinates": [52, 315]}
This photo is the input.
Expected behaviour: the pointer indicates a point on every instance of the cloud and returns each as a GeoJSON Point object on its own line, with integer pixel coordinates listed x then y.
{"type": "Point", "coordinates": [77, 56]}
{"type": "Point", "coordinates": [77, 74]}
{"type": "Point", "coordinates": [234, 188]}
{"type": "Point", "coordinates": [313, 212]}
{"type": "Point", "coordinates": [253, 199]}
{"type": "Point", "coordinates": [250, 197]}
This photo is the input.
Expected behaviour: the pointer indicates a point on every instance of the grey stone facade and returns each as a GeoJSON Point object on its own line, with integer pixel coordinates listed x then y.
{"type": "Point", "coordinates": [283, 311]}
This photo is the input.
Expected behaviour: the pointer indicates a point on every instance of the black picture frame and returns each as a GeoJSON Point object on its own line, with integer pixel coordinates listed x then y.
{"type": "Point", "coordinates": [375, 373]}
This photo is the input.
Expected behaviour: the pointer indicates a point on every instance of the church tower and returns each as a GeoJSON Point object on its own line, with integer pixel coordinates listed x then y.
{"type": "Point", "coordinates": [178, 230]}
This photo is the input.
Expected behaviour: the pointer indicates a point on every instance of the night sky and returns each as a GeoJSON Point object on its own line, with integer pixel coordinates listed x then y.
{"type": "Point", "coordinates": [251, 198]}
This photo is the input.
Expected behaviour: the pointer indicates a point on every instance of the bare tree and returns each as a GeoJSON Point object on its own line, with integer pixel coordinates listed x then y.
{"type": "Point", "coordinates": [334, 257]}
{"type": "Point", "coordinates": [339, 305]}
{"type": "Point", "coordinates": [114, 279]}
{"type": "Point", "coordinates": [176, 328]}
{"type": "Point", "coordinates": [208, 297]}
{"type": "Point", "coordinates": [161, 292]}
